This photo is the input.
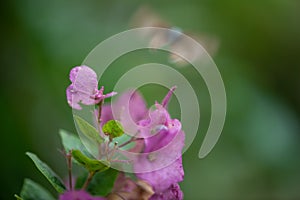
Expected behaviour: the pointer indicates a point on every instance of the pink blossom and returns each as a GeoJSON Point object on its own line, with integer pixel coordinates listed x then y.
{"type": "Point", "coordinates": [84, 88]}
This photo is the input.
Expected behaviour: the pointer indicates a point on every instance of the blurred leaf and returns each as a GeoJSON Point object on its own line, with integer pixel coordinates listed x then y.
{"type": "Point", "coordinates": [17, 197]}
{"type": "Point", "coordinates": [113, 128]}
{"type": "Point", "coordinates": [48, 173]}
{"type": "Point", "coordinates": [101, 184]}
{"type": "Point", "coordinates": [88, 130]}
{"type": "Point", "coordinates": [82, 178]}
{"type": "Point", "coordinates": [71, 142]}
{"type": "Point", "coordinates": [91, 165]}
{"type": "Point", "coordinates": [33, 191]}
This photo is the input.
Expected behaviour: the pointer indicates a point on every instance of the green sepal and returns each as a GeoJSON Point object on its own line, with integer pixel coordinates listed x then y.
{"type": "Point", "coordinates": [113, 129]}
{"type": "Point", "coordinates": [51, 176]}
{"type": "Point", "coordinates": [88, 130]}
{"type": "Point", "coordinates": [91, 165]}
{"type": "Point", "coordinates": [33, 191]}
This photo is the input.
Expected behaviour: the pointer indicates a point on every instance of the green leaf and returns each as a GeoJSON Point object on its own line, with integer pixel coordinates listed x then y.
{"type": "Point", "coordinates": [88, 130]}
{"type": "Point", "coordinates": [48, 173]}
{"type": "Point", "coordinates": [34, 191]}
{"type": "Point", "coordinates": [91, 165]}
{"type": "Point", "coordinates": [113, 128]}
{"type": "Point", "coordinates": [71, 142]}
{"type": "Point", "coordinates": [101, 184]}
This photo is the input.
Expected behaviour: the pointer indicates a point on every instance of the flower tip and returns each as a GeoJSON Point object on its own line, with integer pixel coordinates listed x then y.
{"type": "Point", "coordinates": [110, 94]}
{"type": "Point", "coordinates": [101, 89]}
{"type": "Point", "coordinates": [173, 88]}
{"type": "Point", "coordinates": [167, 98]}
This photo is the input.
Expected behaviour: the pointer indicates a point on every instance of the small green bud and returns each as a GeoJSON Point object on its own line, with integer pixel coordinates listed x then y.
{"type": "Point", "coordinates": [113, 129]}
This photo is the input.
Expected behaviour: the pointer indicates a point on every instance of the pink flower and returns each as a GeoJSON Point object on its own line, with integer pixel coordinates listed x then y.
{"type": "Point", "coordinates": [160, 160]}
{"type": "Point", "coordinates": [84, 88]}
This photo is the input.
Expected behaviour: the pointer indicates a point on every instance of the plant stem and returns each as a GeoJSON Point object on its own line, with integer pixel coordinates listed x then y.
{"type": "Point", "coordinates": [69, 163]}
{"type": "Point", "coordinates": [112, 152]}
{"type": "Point", "coordinates": [107, 149]}
{"type": "Point", "coordinates": [100, 110]}
{"type": "Point", "coordinates": [88, 180]}
{"type": "Point", "coordinates": [131, 140]}
{"type": "Point", "coordinates": [99, 121]}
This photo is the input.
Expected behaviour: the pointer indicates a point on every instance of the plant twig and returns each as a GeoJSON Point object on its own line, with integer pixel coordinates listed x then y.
{"type": "Point", "coordinates": [100, 104]}
{"type": "Point", "coordinates": [69, 161]}
{"type": "Point", "coordinates": [133, 139]}
{"type": "Point", "coordinates": [107, 149]}
{"type": "Point", "coordinates": [88, 180]}
{"type": "Point", "coordinates": [100, 110]}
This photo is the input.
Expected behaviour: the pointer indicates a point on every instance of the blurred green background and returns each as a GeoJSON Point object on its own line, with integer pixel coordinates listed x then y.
{"type": "Point", "coordinates": [257, 156]}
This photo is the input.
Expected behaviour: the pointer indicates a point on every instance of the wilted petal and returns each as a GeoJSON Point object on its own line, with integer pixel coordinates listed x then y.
{"type": "Point", "coordinates": [123, 183]}
{"type": "Point", "coordinates": [126, 188]}
{"type": "Point", "coordinates": [78, 195]}
{"type": "Point", "coordinates": [172, 193]}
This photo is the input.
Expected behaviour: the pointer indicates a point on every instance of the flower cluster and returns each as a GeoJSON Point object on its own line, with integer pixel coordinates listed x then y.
{"type": "Point", "coordinates": [156, 141]}
{"type": "Point", "coordinates": [160, 160]}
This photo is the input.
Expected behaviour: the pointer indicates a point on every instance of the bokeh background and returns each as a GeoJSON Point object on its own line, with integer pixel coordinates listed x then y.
{"type": "Point", "coordinates": [257, 156]}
